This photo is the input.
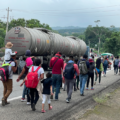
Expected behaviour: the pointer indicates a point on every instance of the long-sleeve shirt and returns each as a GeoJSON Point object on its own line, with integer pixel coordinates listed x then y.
{"type": "Point", "coordinates": [56, 67]}
{"type": "Point", "coordinates": [8, 53]}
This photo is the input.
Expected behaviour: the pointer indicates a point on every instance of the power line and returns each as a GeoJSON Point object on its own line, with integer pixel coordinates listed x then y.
{"type": "Point", "coordinates": [73, 9]}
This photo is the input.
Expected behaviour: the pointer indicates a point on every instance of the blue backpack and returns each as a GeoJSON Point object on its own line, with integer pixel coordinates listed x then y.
{"type": "Point", "coordinates": [69, 71]}
{"type": "Point", "coordinates": [105, 63]}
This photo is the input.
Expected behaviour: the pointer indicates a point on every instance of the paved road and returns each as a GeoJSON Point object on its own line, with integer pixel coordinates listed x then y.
{"type": "Point", "coordinates": [20, 111]}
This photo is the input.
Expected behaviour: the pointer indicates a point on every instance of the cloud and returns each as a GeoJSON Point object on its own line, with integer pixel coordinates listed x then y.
{"type": "Point", "coordinates": [65, 12]}
{"type": "Point", "coordinates": [49, 1]}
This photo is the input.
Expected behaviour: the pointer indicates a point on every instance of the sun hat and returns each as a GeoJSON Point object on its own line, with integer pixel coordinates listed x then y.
{"type": "Point", "coordinates": [9, 45]}
{"type": "Point", "coordinates": [90, 60]}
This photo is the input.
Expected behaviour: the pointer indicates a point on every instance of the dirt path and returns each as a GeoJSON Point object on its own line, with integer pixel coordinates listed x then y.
{"type": "Point", "coordinates": [107, 108]}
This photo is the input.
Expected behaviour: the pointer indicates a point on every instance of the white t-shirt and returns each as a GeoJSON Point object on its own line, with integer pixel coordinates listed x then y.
{"type": "Point", "coordinates": [10, 69]}
{"type": "Point", "coordinates": [8, 53]}
{"type": "Point", "coordinates": [40, 71]}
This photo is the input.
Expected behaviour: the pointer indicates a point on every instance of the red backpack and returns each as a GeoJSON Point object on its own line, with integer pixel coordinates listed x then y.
{"type": "Point", "coordinates": [32, 78]}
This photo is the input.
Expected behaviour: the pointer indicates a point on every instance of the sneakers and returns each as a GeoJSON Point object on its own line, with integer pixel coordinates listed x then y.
{"type": "Point", "coordinates": [33, 107]}
{"type": "Point", "coordinates": [67, 100]}
{"type": "Point", "coordinates": [23, 100]}
{"type": "Point", "coordinates": [92, 88]}
{"type": "Point", "coordinates": [6, 103]}
{"type": "Point", "coordinates": [104, 75]}
{"type": "Point", "coordinates": [28, 103]}
{"type": "Point", "coordinates": [86, 88]}
{"type": "Point", "coordinates": [3, 101]}
{"type": "Point", "coordinates": [82, 94]}
{"type": "Point", "coordinates": [43, 111]}
{"type": "Point", "coordinates": [94, 83]}
{"type": "Point", "coordinates": [50, 108]}
{"type": "Point", "coordinates": [56, 99]}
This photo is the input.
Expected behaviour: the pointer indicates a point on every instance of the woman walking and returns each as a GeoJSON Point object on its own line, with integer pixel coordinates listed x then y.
{"type": "Point", "coordinates": [33, 91]}
{"type": "Point", "coordinates": [99, 68]}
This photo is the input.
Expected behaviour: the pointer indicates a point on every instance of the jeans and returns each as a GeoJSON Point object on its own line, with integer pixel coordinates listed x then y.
{"type": "Point", "coordinates": [26, 91]}
{"type": "Point", "coordinates": [56, 83]}
{"type": "Point", "coordinates": [77, 81]}
{"type": "Point", "coordinates": [34, 95]}
{"type": "Point", "coordinates": [105, 69]}
{"type": "Point", "coordinates": [83, 79]}
{"type": "Point", "coordinates": [70, 84]}
{"type": "Point", "coordinates": [115, 69]}
{"type": "Point", "coordinates": [90, 75]}
{"type": "Point", "coordinates": [99, 76]}
{"type": "Point", "coordinates": [75, 85]}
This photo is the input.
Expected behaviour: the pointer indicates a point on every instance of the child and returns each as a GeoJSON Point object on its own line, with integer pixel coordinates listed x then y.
{"type": "Point", "coordinates": [28, 61]}
{"type": "Point", "coordinates": [8, 52]}
{"type": "Point", "coordinates": [47, 89]}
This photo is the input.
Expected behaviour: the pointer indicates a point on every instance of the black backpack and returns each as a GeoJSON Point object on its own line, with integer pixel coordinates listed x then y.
{"type": "Point", "coordinates": [69, 71]}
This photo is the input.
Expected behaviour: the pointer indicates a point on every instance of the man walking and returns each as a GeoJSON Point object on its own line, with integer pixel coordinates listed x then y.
{"type": "Point", "coordinates": [116, 63]}
{"type": "Point", "coordinates": [69, 71]}
{"type": "Point", "coordinates": [56, 63]}
{"type": "Point", "coordinates": [84, 67]}
{"type": "Point", "coordinates": [9, 83]}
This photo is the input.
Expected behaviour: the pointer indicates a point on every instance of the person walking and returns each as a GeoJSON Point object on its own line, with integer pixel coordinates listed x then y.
{"type": "Point", "coordinates": [116, 64]}
{"type": "Point", "coordinates": [91, 74]}
{"type": "Point", "coordinates": [105, 65]}
{"type": "Point", "coordinates": [33, 91]}
{"type": "Point", "coordinates": [69, 70]}
{"type": "Point", "coordinates": [84, 67]}
{"type": "Point", "coordinates": [99, 68]}
{"type": "Point", "coordinates": [23, 75]}
{"type": "Point", "coordinates": [76, 78]}
{"type": "Point", "coordinates": [56, 63]}
{"type": "Point", "coordinates": [8, 85]}
{"type": "Point", "coordinates": [47, 90]}
{"type": "Point", "coordinates": [63, 80]}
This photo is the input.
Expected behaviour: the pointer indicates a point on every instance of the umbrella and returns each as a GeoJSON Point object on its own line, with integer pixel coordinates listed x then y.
{"type": "Point", "coordinates": [104, 54]}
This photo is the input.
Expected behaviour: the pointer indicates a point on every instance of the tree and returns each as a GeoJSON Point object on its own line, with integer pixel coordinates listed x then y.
{"type": "Point", "coordinates": [18, 22]}
{"type": "Point", "coordinates": [96, 34]}
{"type": "Point", "coordinates": [112, 44]}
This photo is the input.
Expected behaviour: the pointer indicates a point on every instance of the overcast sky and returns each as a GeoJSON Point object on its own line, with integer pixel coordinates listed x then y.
{"type": "Point", "coordinates": [65, 12]}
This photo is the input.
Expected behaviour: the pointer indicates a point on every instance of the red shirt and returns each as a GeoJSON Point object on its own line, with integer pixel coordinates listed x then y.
{"type": "Point", "coordinates": [58, 66]}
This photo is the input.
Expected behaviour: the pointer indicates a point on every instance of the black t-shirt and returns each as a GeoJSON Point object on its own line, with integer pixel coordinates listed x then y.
{"type": "Point", "coordinates": [46, 85]}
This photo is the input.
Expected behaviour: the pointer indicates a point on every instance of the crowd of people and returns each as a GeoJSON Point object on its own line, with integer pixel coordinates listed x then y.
{"type": "Point", "coordinates": [72, 74]}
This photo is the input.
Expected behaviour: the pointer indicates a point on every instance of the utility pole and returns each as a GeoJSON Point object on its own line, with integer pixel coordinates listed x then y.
{"type": "Point", "coordinates": [89, 43]}
{"type": "Point", "coordinates": [11, 17]}
{"type": "Point", "coordinates": [7, 19]}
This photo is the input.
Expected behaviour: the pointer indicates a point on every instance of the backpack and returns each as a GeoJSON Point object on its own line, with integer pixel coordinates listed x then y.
{"type": "Point", "coordinates": [83, 67]}
{"type": "Point", "coordinates": [69, 71]}
{"type": "Point", "coordinates": [32, 78]}
{"type": "Point", "coordinates": [105, 63]}
{"type": "Point", "coordinates": [4, 71]}
{"type": "Point", "coordinates": [20, 68]}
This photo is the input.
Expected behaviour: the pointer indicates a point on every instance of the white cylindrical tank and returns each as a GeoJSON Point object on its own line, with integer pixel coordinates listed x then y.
{"type": "Point", "coordinates": [43, 42]}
